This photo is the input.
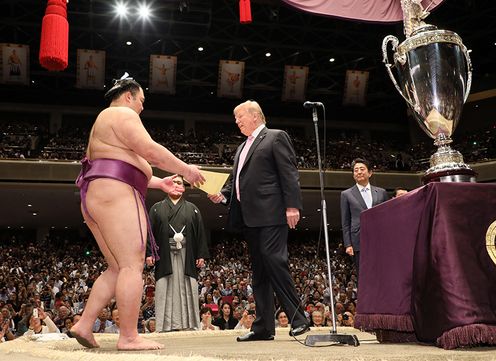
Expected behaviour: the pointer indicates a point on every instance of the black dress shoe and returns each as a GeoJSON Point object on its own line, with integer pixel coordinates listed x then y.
{"type": "Point", "coordinates": [252, 336]}
{"type": "Point", "coordinates": [300, 330]}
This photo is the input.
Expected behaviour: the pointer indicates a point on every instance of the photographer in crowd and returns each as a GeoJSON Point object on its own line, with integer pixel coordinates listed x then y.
{"type": "Point", "coordinates": [36, 326]}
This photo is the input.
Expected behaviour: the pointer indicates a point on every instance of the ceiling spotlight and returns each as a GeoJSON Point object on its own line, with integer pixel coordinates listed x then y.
{"type": "Point", "coordinates": [268, 55]}
{"type": "Point", "coordinates": [35, 214]}
{"type": "Point", "coordinates": [129, 43]}
{"type": "Point", "coordinates": [30, 205]}
{"type": "Point", "coordinates": [121, 9]}
{"type": "Point", "coordinates": [200, 48]}
{"type": "Point", "coordinates": [332, 60]}
{"type": "Point", "coordinates": [144, 11]}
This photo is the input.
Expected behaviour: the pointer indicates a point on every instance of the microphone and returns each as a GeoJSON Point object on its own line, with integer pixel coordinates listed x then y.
{"type": "Point", "coordinates": [308, 105]}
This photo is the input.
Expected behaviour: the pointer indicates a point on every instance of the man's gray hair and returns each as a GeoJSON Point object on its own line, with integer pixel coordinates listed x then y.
{"type": "Point", "coordinates": [251, 107]}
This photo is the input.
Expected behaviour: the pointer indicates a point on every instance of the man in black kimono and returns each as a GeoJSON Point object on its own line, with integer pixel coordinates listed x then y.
{"type": "Point", "coordinates": [178, 229]}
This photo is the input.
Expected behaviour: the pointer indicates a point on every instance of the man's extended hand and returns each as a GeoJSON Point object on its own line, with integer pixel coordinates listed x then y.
{"type": "Point", "coordinates": [293, 217]}
{"type": "Point", "coordinates": [349, 250]}
{"type": "Point", "coordinates": [216, 198]}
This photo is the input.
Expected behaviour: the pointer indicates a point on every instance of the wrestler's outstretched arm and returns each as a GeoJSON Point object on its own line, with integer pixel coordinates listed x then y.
{"type": "Point", "coordinates": [134, 135]}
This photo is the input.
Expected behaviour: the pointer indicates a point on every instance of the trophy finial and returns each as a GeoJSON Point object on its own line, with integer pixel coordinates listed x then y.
{"type": "Point", "coordinates": [413, 16]}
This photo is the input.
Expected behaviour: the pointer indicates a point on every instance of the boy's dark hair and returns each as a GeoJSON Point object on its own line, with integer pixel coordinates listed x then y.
{"type": "Point", "coordinates": [120, 87]}
{"type": "Point", "coordinates": [360, 160]}
{"type": "Point", "coordinates": [204, 310]}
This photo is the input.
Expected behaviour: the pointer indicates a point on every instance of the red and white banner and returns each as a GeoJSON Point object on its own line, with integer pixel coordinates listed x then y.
{"type": "Point", "coordinates": [163, 74]}
{"type": "Point", "coordinates": [90, 69]}
{"type": "Point", "coordinates": [294, 83]}
{"type": "Point", "coordinates": [231, 77]}
{"type": "Point", "coordinates": [14, 64]}
{"type": "Point", "coordinates": [355, 88]}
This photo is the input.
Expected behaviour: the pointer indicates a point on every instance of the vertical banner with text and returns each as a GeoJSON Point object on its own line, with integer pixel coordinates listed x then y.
{"type": "Point", "coordinates": [231, 77]}
{"type": "Point", "coordinates": [355, 88]}
{"type": "Point", "coordinates": [163, 74]}
{"type": "Point", "coordinates": [90, 69]}
{"type": "Point", "coordinates": [14, 64]}
{"type": "Point", "coordinates": [294, 83]}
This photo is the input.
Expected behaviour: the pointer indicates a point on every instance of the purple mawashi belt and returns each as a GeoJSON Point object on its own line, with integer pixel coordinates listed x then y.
{"type": "Point", "coordinates": [121, 171]}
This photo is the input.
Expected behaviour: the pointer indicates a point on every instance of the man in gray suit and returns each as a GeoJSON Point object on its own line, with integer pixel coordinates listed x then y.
{"type": "Point", "coordinates": [264, 201]}
{"type": "Point", "coordinates": [354, 200]}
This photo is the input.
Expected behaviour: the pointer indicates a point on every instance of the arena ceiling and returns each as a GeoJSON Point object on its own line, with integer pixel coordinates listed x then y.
{"type": "Point", "coordinates": [292, 37]}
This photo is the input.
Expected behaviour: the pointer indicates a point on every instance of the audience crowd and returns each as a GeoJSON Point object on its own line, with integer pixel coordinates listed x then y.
{"type": "Point", "coordinates": [24, 140]}
{"type": "Point", "coordinates": [44, 286]}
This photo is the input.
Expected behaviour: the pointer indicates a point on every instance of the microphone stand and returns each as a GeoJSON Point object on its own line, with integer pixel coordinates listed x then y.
{"type": "Point", "coordinates": [334, 336]}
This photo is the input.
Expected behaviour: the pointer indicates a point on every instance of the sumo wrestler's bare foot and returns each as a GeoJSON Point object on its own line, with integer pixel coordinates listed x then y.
{"type": "Point", "coordinates": [85, 339]}
{"type": "Point", "coordinates": [138, 343]}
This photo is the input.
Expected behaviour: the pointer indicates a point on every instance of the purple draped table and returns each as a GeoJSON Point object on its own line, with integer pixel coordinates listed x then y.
{"type": "Point", "coordinates": [425, 272]}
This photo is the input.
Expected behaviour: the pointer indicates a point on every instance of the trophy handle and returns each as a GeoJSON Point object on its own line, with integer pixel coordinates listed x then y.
{"type": "Point", "coordinates": [466, 52]}
{"type": "Point", "coordinates": [385, 59]}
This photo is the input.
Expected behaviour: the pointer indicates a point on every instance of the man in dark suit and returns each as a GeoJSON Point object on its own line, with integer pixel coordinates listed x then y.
{"type": "Point", "coordinates": [264, 198]}
{"type": "Point", "coordinates": [354, 200]}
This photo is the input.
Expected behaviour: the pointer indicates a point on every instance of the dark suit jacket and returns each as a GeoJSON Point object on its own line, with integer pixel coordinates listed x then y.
{"type": "Point", "coordinates": [352, 204]}
{"type": "Point", "coordinates": [268, 182]}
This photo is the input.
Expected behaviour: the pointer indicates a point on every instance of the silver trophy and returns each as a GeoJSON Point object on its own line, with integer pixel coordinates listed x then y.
{"type": "Point", "coordinates": [434, 75]}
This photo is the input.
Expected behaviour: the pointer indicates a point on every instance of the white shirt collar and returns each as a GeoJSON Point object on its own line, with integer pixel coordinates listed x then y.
{"type": "Point", "coordinates": [257, 131]}
{"type": "Point", "coordinates": [360, 187]}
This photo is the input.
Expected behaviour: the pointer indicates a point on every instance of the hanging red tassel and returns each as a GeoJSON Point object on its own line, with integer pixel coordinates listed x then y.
{"type": "Point", "coordinates": [54, 44]}
{"type": "Point", "coordinates": [244, 12]}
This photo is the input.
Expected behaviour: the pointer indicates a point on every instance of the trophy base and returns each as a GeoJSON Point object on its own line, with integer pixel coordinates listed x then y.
{"type": "Point", "coordinates": [456, 175]}
{"type": "Point", "coordinates": [447, 164]}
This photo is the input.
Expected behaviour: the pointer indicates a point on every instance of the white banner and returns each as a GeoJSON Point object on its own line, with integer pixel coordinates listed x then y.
{"type": "Point", "coordinates": [231, 77]}
{"type": "Point", "coordinates": [90, 69]}
{"type": "Point", "coordinates": [163, 74]}
{"type": "Point", "coordinates": [355, 89]}
{"type": "Point", "coordinates": [294, 83]}
{"type": "Point", "coordinates": [14, 64]}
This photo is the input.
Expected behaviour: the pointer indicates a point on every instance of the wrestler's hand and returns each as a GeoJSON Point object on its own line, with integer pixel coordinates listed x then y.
{"type": "Point", "coordinates": [349, 250]}
{"type": "Point", "coordinates": [150, 261]}
{"type": "Point", "coordinates": [216, 198]}
{"type": "Point", "coordinates": [194, 176]}
{"type": "Point", "coordinates": [293, 216]}
{"type": "Point", "coordinates": [168, 186]}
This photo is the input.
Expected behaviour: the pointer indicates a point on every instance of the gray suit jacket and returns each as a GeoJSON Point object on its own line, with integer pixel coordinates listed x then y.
{"type": "Point", "coordinates": [352, 204]}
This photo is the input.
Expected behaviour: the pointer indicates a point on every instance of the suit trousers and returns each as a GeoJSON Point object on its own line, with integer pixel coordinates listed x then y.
{"type": "Point", "coordinates": [269, 257]}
